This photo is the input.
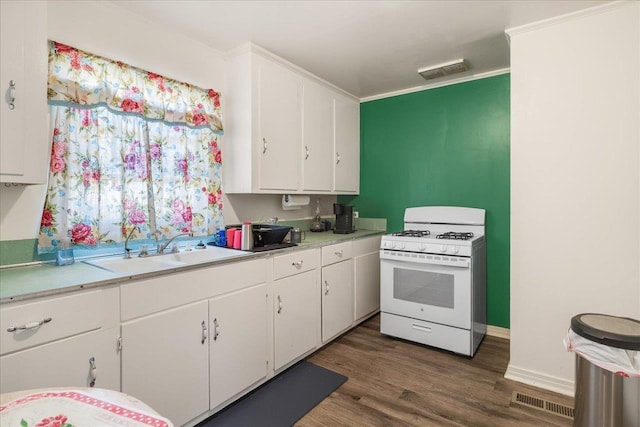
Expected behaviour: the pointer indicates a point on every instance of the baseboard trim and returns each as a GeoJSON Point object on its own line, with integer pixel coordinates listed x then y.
{"type": "Point", "coordinates": [496, 331]}
{"type": "Point", "coordinates": [536, 379]}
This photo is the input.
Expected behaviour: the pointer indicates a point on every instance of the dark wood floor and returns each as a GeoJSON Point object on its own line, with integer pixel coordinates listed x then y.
{"type": "Point", "coordinates": [397, 383]}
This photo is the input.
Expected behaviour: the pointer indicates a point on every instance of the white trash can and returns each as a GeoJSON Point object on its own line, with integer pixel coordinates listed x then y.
{"type": "Point", "coordinates": [607, 384]}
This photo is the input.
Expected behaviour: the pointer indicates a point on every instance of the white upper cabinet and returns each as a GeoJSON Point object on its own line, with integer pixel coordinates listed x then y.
{"type": "Point", "coordinates": [278, 127]}
{"type": "Point", "coordinates": [317, 138]}
{"type": "Point", "coordinates": [281, 129]}
{"type": "Point", "coordinates": [23, 81]}
{"type": "Point", "coordinates": [347, 146]}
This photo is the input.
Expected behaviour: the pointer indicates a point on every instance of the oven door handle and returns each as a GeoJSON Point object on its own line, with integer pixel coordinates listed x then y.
{"type": "Point", "coordinates": [421, 328]}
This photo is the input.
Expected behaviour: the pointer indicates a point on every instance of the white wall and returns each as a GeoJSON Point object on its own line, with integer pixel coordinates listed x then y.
{"type": "Point", "coordinates": [104, 29]}
{"type": "Point", "coordinates": [575, 183]}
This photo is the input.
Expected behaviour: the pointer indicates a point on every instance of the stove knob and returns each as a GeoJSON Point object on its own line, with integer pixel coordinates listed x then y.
{"type": "Point", "coordinates": [443, 248]}
{"type": "Point", "coordinates": [422, 247]}
{"type": "Point", "coordinates": [401, 245]}
{"type": "Point", "coordinates": [455, 249]}
{"type": "Point", "coordinates": [392, 245]}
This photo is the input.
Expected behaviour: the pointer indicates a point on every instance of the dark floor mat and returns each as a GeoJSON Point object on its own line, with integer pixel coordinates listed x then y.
{"type": "Point", "coordinates": [282, 401]}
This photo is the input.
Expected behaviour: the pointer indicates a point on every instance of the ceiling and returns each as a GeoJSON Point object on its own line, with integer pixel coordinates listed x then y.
{"type": "Point", "coordinates": [367, 48]}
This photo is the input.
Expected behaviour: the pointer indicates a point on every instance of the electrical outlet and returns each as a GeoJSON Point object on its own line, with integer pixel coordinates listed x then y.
{"type": "Point", "coordinates": [356, 214]}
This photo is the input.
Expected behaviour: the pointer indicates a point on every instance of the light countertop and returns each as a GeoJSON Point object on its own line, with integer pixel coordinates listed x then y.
{"type": "Point", "coordinates": [21, 283]}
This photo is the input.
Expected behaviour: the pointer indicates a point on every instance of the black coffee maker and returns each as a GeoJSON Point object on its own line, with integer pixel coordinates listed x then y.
{"type": "Point", "coordinates": [344, 219]}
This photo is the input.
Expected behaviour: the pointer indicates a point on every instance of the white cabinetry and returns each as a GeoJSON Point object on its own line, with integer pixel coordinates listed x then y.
{"type": "Point", "coordinates": [347, 146]}
{"type": "Point", "coordinates": [23, 61]}
{"type": "Point", "coordinates": [366, 253]}
{"type": "Point", "coordinates": [317, 138]}
{"type": "Point", "coordinates": [168, 330]}
{"type": "Point", "coordinates": [337, 290]}
{"type": "Point", "coordinates": [279, 126]}
{"type": "Point", "coordinates": [238, 342]}
{"type": "Point", "coordinates": [285, 130]}
{"type": "Point", "coordinates": [50, 342]}
{"type": "Point", "coordinates": [296, 306]}
{"type": "Point", "coordinates": [165, 361]}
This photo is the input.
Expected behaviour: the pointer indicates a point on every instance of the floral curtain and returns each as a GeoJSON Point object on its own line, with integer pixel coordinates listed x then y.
{"type": "Point", "coordinates": [129, 155]}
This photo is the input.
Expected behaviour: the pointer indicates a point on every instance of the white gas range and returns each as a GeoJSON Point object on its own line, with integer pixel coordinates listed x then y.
{"type": "Point", "coordinates": [433, 278]}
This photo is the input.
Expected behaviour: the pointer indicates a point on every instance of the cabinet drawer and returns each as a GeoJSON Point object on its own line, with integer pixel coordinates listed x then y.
{"type": "Point", "coordinates": [336, 253]}
{"type": "Point", "coordinates": [70, 315]}
{"type": "Point", "coordinates": [294, 263]}
{"type": "Point", "coordinates": [366, 245]}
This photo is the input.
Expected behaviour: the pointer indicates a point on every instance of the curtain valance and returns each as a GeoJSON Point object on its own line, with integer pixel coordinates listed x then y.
{"type": "Point", "coordinates": [82, 79]}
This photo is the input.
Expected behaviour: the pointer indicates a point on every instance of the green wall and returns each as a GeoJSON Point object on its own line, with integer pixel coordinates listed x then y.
{"type": "Point", "coordinates": [444, 146]}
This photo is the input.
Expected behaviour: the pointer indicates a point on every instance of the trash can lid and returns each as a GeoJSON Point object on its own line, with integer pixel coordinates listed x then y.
{"type": "Point", "coordinates": [620, 332]}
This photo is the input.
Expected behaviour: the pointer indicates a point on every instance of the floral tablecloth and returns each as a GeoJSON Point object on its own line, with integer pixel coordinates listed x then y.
{"type": "Point", "coordinates": [78, 408]}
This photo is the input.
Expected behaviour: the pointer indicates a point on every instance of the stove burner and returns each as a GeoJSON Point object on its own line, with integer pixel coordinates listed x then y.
{"type": "Point", "coordinates": [412, 233]}
{"type": "Point", "coordinates": [455, 236]}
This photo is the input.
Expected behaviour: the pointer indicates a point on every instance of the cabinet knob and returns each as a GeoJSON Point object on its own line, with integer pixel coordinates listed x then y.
{"type": "Point", "coordinates": [10, 97]}
{"type": "Point", "coordinates": [337, 157]}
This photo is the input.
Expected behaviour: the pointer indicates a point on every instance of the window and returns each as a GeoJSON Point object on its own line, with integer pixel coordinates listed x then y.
{"type": "Point", "coordinates": [132, 151]}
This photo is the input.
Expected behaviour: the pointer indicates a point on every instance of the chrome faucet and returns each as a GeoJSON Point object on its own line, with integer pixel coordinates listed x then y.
{"type": "Point", "coordinates": [127, 250]}
{"type": "Point", "coordinates": [162, 247]}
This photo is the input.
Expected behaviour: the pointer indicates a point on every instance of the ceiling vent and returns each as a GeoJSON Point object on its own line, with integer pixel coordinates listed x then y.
{"type": "Point", "coordinates": [442, 70]}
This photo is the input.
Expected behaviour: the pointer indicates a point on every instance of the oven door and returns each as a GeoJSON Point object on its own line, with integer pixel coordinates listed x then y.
{"type": "Point", "coordinates": [434, 288]}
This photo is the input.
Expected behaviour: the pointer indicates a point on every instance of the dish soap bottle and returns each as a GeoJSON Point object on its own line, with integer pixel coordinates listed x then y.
{"type": "Point", "coordinates": [65, 253]}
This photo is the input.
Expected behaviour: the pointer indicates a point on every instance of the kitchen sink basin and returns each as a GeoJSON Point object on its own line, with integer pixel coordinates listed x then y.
{"type": "Point", "coordinates": [136, 265]}
{"type": "Point", "coordinates": [141, 265]}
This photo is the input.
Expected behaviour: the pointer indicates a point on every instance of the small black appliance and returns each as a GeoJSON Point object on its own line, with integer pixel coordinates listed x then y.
{"type": "Point", "coordinates": [344, 219]}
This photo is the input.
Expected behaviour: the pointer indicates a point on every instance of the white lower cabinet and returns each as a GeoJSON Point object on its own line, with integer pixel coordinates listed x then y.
{"type": "Point", "coordinates": [297, 316]}
{"type": "Point", "coordinates": [366, 261]}
{"type": "Point", "coordinates": [49, 342]}
{"type": "Point", "coordinates": [238, 342]}
{"type": "Point", "coordinates": [165, 361]}
{"type": "Point", "coordinates": [337, 290]}
{"type": "Point", "coordinates": [65, 363]}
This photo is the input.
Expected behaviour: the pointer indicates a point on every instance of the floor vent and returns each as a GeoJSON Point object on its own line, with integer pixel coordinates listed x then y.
{"type": "Point", "coordinates": [542, 404]}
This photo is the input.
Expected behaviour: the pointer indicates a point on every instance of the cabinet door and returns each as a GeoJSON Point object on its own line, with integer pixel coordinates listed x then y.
{"type": "Point", "coordinates": [23, 61]}
{"type": "Point", "coordinates": [297, 316]}
{"type": "Point", "coordinates": [64, 363]}
{"type": "Point", "coordinates": [367, 282]}
{"type": "Point", "coordinates": [337, 299]}
{"type": "Point", "coordinates": [238, 342]}
{"type": "Point", "coordinates": [317, 138]}
{"type": "Point", "coordinates": [165, 361]}
{"type": "Point", "coordinates": [347, 146]}
{"type": "Point", "coordinates": [12, 69]}
{"type": "Point", "coordinates": [279, 133]}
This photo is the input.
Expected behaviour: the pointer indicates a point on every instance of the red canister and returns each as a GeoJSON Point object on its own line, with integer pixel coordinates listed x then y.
{"type": "Point", "coordinates": [230, 237]}
{"type": "Point", "coordinates": [237, 239]}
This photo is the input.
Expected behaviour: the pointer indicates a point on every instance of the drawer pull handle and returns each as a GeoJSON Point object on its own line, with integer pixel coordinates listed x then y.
{"type": "Point", "coordinates": [297, 264]}
{"type": "Point", "coordinates": [216, 329]}
{"type": "Point", "coordinates": [29, 325]}
{"type": "Point", "coordinates": [93, 371]}
{"type": "Point", "coordinates": [204, 332]}
{"type": "Point", "coordinates": [264, 145]}
{"type": "Point", "coordinates": [279, 304]}
{"type": "Point", "coordinates": [326, 290]}
{"type": "Point", "coordinates": [339, 253]}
